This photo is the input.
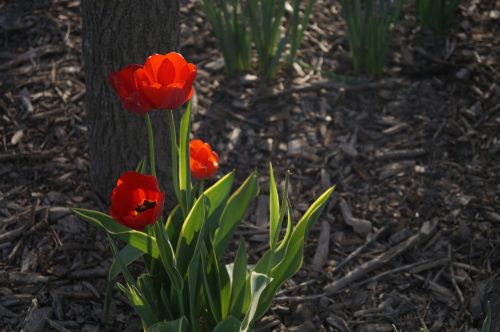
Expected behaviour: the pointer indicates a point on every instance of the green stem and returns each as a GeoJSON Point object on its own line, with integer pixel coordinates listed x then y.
{"type": "Point", "coordinates": [201, 188]}
{"type": "Point", "coordinates": [175, 155]}
{"type": "Point", "coordinates": [151, 143]}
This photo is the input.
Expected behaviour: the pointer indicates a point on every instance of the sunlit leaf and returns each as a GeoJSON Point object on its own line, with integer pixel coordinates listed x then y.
{"type": "Point", "coordinates": [258, 283]}
{"type": "Point", "coordinates": [235, 209]}
{"type": "Point", "coordinates": [136, 239]}
{"type": "Point", "coordinates": [189, 235]}
{"type": "Point", "coordinates": [239, 277]}
{"type": "Point", "coordinates": [216, 196]}
{"type": "Point", "coordinates": [184, 168]}
{"type": "Point", "coordinates": [293, 257]}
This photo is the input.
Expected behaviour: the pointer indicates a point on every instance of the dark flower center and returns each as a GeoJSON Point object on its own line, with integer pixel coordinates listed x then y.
{"type": "Point", "coordinates": [146, 205]}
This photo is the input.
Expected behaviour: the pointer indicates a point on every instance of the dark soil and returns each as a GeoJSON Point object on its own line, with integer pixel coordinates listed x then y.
{"type": "Point", "coordinates": [411, 238]}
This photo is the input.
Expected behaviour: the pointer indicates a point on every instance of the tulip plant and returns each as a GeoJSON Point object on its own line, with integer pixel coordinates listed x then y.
{"type": "Point", "coordinates": [437, 14]}
{"type": "Point", "coordinates": [368, 25]}
{"type": "Point", "coordinates": [486, 327]}
{"type": "Point", "coordinates": [239, 24]}
{"type": "Point", "coordinates": [187, 284]}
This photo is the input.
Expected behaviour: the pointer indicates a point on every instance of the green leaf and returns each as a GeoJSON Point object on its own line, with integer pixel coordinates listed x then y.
{"type": "Point", "coordinates": [189, 235]}
{"type": "Point", "coordinates": [136, 239]}
{"type": "Point", "coordinates": [289, 228]}
{"type": "Point", "coordinates": [140, 305]}
{"type": "Point", "coordinates": [179, 325]}
{"type": "Point", "coordinates": [293, 257]}
{"type": "Point", "coordinates": [121, 265]}
{"type": "Point", "coordinates": [141, 167]}
{"type": "Point", "coordinates": [274, 210]}
{"type": "Point", "coordinates": [137, 300]}
{"type": "Point", "coordinates": [167, 256]}
{"type": "Point", "coordinates": [127, 254]}
{"type": "Point", "coordinates": [174, 225]}
{"type": "Point", "coordinates": [167, 303]}
{"type": "Point", "coordinates": [239, 277]}
{"type": "Point", "coordinates": [225, 286]}
{"type": "Point", "coordinates": [175, 155]}
{"type": "Point", "coordinates": [230, 324]}
{"type": "Point", "coordinates": [277, 214]}
{"type": "Point", "coordinates": [305, 21]}
{"type": "Point", "coordinates": [235, 209]}
{"type": "Point", "coordinates": [230, 28]}
{"type": "Point", "coordinates": [211, 286]}
{"type": "Point", "coordinates": [216, 197]}
{"type": "Point", "coordinates": [487, 321]}
{"type": "Point", "coordinates": [258, 282]}
{"type": "Point", "coordinates": [184, 168]}
{"type": "Point", "coordinates": [146, 286]}
{"type": "Point", "coordinates": [194, 280]}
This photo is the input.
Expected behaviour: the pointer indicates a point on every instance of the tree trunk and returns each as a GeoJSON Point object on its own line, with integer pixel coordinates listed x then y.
{"type": "Point", "coordinates": [117, 33]}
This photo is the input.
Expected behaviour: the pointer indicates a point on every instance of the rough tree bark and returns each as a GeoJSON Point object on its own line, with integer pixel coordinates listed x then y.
{"type": "Point", "coordinates": [117, 33]}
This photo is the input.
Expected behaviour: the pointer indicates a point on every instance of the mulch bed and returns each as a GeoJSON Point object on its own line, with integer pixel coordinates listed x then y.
{"type": "Point", "coordinates": [411, 238]}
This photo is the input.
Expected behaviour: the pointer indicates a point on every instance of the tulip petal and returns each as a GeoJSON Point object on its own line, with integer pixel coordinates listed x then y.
{"type": "Point", "coordinates": [129, 197]}
{"type": "Point", "coordinates": [194, 146]}
{"type": "Point", "coordinates": [122, 80]}
{"type": "Point", "coordinates": [148, 182]}
{"type": "Point", "coordinates": [203, 161]}
{"type": "Point", "coordinates": [214, 159]}
{"type": "Point", "coordinates": [198, 170]}
{"type": "Point", "coordinates": [203, 154]}
{"type": "Point", "coordinates": [154, 95]}
{"type": "Point", "coordinates": [188, 95]}
{"type": "Point", "coordinates": [152, 65]}
{"type": "Point", "coordinates": [144, 218]}
{"type": "Point", "coordinates": [188, 74]}
{"type": "Point", "coordinates": [136, 103]}
{"type": "Point", "coordinates": [126, 198]}
{"type": "Point", "coordinates": [167, 97]}
{"type": "Point", "coordinates": [178, 62]}
{"type": "Point", "coordinates": [166, 72]}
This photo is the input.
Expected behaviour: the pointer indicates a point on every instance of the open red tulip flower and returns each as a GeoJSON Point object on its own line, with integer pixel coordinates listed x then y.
{"type": "Point", "coordinates": [203, 161]}
{"type": "Point", "coordinates": [166, 81]}
{"type": "Point", "coordinates": [136, 200]}
{"type": "Point", "coordinates": [123, 82]}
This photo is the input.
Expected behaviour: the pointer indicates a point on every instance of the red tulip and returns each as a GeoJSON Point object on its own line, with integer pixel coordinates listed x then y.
{"type": "Point", "coordinates": [203, 161]}
{"type": "Point", "coordinates": [136, 200]}
{"type": "Point", "coordinates": [124, 84]}
{"type": "Point", "coordinates": [166, 81]}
